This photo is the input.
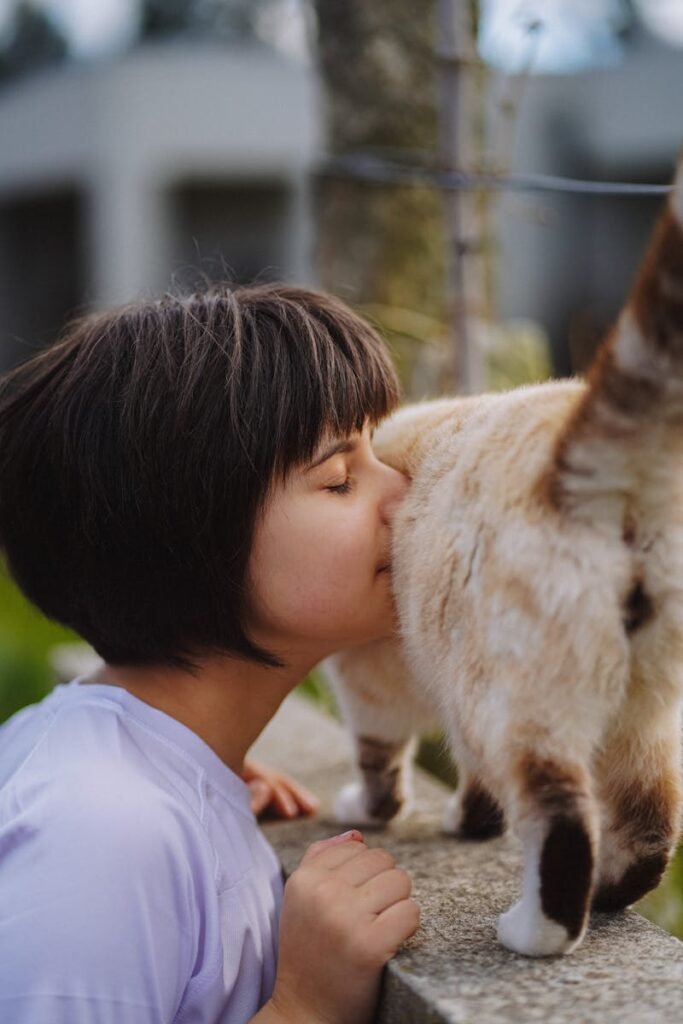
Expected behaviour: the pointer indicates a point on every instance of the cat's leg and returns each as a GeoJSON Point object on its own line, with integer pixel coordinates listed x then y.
{"type": "Point", "coordinates": [641, 794]}
{"type": "Point", "coordinates": [383, 714]}
{"type": "Point", "coordinates": [384, 789]}
{"type": "Point", "coordinates": [554, 812]}
{"type": "Point", "coordinates": [472, 812]}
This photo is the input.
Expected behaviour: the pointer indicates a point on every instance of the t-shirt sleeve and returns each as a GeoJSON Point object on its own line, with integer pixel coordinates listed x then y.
{"type": "Point", "coordinates": [99, 922]}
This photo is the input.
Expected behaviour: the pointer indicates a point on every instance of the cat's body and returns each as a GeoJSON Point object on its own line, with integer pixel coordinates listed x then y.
{"type": "Point", "coordinates": [538, 574]}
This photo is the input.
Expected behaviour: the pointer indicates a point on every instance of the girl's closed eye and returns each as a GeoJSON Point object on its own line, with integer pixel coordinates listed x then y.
{"type": "Point", "coordinates": [341, 488]}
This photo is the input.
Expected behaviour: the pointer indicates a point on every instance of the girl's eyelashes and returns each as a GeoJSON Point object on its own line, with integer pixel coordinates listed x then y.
{"type": "Point", "coordinates": [340, 488]}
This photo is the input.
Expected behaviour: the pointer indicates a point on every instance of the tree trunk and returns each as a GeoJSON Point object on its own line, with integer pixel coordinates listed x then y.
{"type": "Point", "coordinates": [381, 246]}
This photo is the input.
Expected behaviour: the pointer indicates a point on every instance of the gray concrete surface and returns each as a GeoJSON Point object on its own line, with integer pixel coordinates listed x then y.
{"type": "Point", "coordinates": [627, 970]}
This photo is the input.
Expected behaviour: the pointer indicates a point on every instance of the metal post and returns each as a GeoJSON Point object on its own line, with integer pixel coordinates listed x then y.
{"type": "Point", "coordinates": [456, 53]}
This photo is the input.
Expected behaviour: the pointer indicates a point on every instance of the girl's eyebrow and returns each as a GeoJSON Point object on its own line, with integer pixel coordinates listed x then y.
{"type": "Point", "coordinates": [338, 448]}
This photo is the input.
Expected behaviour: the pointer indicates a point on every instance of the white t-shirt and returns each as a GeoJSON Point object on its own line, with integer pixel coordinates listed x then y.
{"type": "Point", "coordinates": [135, 884]}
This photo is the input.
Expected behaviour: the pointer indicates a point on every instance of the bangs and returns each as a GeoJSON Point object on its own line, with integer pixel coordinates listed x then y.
{"type": "Point", "coordinates": [323, 371]}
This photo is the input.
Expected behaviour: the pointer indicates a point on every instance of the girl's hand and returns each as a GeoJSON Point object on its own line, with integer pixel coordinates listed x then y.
{"type": "Point", "coordinates": [346, 911]}
{"type": "Point", "coordinates": [277, 792]}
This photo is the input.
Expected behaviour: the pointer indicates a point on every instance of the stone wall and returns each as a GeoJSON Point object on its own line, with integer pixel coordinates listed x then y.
{"type": "Point", "coordinates": [627, 970]}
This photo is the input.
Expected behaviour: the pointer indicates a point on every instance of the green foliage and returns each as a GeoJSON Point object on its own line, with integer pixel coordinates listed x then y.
{"type": "Point", "coordinates": [665, 905]}
{"type": "Point", "coordinates": [433, 756]}
{"type": "Point", "coordinates": [26, 638]}
{"type": "Point", "coordinates": [314, 688]}
{"type": "Point", "coordinates": [516, 353]}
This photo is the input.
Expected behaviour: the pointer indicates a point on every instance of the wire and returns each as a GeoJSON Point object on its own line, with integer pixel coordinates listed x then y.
{"type": "Point", "coordinates": [369, 168]}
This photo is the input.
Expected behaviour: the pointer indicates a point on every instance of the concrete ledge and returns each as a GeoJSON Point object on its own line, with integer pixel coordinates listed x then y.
{"type": "Point", "coordinates": [453, 971]}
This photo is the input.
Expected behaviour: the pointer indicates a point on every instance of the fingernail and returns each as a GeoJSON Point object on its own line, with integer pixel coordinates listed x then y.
{"type": "Point", "coordinates": [351, 834]}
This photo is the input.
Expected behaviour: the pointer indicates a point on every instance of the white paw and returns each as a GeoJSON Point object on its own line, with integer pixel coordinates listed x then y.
{"type": "Point", "coordinates": [528, 931]}
{"type": "Point", "coordinates": [451, 819]}
{"type": "Point", "coordinates": [350, 807]}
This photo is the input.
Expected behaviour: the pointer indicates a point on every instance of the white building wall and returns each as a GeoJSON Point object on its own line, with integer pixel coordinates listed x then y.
{"type": "Point", "coordinates": [125, 133]}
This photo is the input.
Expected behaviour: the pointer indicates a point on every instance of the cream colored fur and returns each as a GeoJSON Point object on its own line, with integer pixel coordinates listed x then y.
{"type": "Point", "coordinates": [517, 619]}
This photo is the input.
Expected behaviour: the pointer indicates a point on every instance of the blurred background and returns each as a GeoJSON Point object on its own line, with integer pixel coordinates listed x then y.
{"type": "Point", "coordinates": [148, 145]}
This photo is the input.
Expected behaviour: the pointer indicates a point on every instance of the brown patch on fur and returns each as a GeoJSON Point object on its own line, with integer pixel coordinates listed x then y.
{"type": "Point", "coordinates": [549, 490]}
{"type": "Point", "coordinates": [630, 394]}
{"type": "Point", "coordinates": [646, 821]}
{"type": "Point", "coordinates": [638, 608]}
{"type": "Point", "coordinates": [640, 878]}
{"type": "Point", "coordinates": [482, 815]}
{"type": "Point", "coordinates": [554, 788]}
{"type": "Point", "coordinates": [657, 307]}
{"type": "Point", "coordinates": [648, 818]}
{"type": "Point", "coordinates": [609, 388]}
{"type": "Point", "coordinates": [567, 858]}
{"type": "Point", "coordinates": [520, 594]}
{"type": "Point", "coordinates": [566, 873]}
{"type": "Point", "coordinates": [470, 487]}
{"type": "Point", "coordinates": [628, 529]}
{"type": "Point", "coordinates": [380, 764]}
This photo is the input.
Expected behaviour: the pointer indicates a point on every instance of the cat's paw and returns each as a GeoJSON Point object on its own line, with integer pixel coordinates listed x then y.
{"type": "Point", "coordinates": [350, 807]}
{"type": "Point", "coordinates": [470, 813]}
{"type": "Point", "coordinates": [526, 930]}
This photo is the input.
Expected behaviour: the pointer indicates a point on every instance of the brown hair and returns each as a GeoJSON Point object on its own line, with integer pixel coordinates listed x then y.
{"type": "Point", "coordinates": [137, 452]}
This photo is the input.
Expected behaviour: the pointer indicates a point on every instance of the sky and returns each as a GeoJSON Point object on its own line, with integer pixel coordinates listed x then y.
{"type": "Point", "coordinates": [94, 24]}
{"type": "Point", "coordinates": [91, 26]}
{"type": "Point", "coordinates": [552, 36]}
{"type": "Point", "coordinates": [570, 34]}
{"type": "Point", "coordinates": [574, 33]}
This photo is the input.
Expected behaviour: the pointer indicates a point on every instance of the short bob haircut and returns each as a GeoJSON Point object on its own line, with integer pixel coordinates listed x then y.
{"type": "Point", "coordinates": [137, 452]}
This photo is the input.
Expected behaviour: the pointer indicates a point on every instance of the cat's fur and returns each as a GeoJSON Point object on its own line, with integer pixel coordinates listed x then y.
{"type": "Point", "coordinates": [538, 575]}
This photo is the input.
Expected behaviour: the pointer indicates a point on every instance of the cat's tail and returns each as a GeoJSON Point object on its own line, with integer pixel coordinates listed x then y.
{"type": "Point", "coordinates": [632, 411]}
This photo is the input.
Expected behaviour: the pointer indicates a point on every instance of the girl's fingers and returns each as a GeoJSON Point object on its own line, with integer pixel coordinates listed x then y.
{"type": "Point", "coordinates": [394, 925]}
{"type": "Point", "coordinates": [261, 794]}
{"type": "Point", "coordinates": [372, 863]}
{"type": "Point", "coordinates": [298, 797]}
{"type": "Point", "coordinates": [283, 802]}
{"type": "Point", "coordinates": [288, 796]}
{"type": "Point", "coordinates": [385, 889]}
{"type": "Point", "coordinates": [336, 849]}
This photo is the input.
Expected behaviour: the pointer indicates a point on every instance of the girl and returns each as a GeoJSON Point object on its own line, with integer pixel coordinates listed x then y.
{"type": "Point", "coordinates": [189, 484]}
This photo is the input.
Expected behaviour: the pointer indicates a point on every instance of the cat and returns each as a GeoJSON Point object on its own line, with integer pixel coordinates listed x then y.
{"type": "Point", "coordinates": [537, 568]}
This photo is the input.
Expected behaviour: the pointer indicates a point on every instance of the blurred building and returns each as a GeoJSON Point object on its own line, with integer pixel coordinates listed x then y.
{"type": "Point", "coordinates": [117, 178]}
{"type": "Point", "coordinates": [566, 261]}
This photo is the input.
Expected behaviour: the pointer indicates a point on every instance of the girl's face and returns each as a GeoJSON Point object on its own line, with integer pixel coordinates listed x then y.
{"type": "Point", "coordinates": [319, 566]}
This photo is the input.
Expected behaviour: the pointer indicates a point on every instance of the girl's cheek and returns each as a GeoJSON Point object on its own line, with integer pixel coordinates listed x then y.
{"type": "Point", "coordinates": [350, 553]}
